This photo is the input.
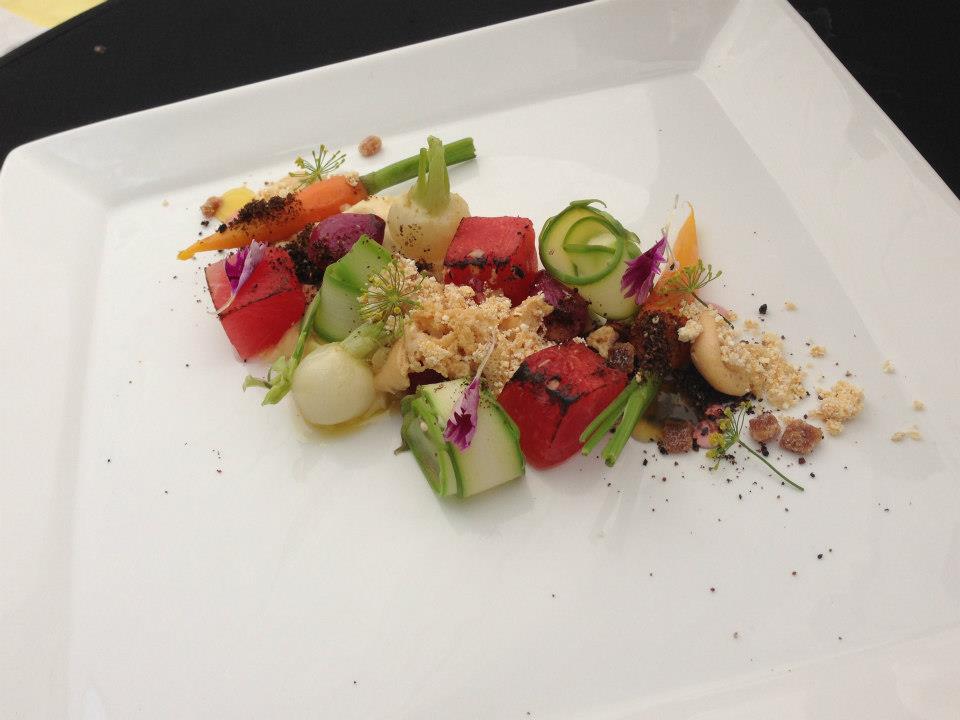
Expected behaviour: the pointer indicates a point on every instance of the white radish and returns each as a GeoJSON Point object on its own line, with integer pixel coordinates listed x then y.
{"type": "Point", "coordinates": [421, 235]}
{"type": "Point", "coordinates": [422, 223]}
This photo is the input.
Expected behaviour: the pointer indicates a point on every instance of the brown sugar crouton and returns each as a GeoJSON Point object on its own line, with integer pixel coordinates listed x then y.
{"type": "Point", "coordinates": [211, 205]}
{"type": "Point", "coordinates": [677, 436]}
{"type": "Point", "coordinates": [800, 437]}
{"type": "Point", "coordinates": [764, 428]}
{"type": "Point", "coordinates": [370, 145]}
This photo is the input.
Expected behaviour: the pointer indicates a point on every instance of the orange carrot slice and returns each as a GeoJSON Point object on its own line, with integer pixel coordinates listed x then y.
{"type": "Point", "coordinates": [270, 221]}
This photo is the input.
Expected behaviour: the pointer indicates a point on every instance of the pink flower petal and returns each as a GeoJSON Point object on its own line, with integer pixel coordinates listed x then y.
{"type": "Point", "coordinates": [462, 423]}
{"type": "Point", "coordinates": [240, 266]}
{"type": "Point", "coordinates": [637, 280]}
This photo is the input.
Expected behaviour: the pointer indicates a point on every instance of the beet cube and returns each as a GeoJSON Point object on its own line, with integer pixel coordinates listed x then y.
{"type": "Point", "coordinates": [497, 251]}
{"type": "Point", "coordinates": [270, 301]}
{"type": "Point", "coordinates": [554, 395]}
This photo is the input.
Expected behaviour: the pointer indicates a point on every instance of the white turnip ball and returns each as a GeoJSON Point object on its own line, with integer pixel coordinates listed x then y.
{"type": "Point", "coordinates": [331, 386]}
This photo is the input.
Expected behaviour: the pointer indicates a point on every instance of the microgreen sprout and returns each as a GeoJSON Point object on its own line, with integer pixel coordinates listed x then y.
{"type": "Point", "coordinates": [728, 435]}
{"type": "Point", "coordinates": [321, 166]}
{"type": "Point", "coordinates": [691, 278]}
{"type": "Point", "coordinates": [280, 375]}
{"type": "Point", "coordinates": [390, 295]}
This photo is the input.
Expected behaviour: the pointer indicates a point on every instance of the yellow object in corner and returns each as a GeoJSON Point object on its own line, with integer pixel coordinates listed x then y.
{"type": "Point", "coordinates": [47, 13]}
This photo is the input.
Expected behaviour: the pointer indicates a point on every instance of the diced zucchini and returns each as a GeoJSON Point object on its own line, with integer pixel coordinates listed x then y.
{"type": "Point", "coordinates": [556, 245]}
{"type": "Point", "coordinates": [343, 283]}
{"type": "Point", "coordinates": [588, 248]}
{"type": "Point", "coordinates": [421, 432]}
{"type": "Point", "coordinates": [606, 296]}
{"type": "Point", "coordinates": [365, 258]}
{"type": "Point", "coordinates": [339, 310]}
{"type": "Point", "coordinates": [593, 250]}
{"type": "Point", "coordinates": [494, 456]}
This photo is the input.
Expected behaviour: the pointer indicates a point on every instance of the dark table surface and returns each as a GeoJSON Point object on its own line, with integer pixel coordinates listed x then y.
{"type": "Point", "coordinates": [127, 55]}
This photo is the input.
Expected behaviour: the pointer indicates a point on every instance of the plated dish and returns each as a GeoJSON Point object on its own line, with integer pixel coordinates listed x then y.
{"type": "Point", "coordinates": [254, 565]}
{"type": "Point", "coordinates": [359, 298]}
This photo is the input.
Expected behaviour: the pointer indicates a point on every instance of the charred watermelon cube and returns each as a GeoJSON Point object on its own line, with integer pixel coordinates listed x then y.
{"type": "Point", "coordinates": [497, 251]}
{"type": "Point", "coordinates": [554, 395]}
{"type": "Point", "coordinates": [266, 306]}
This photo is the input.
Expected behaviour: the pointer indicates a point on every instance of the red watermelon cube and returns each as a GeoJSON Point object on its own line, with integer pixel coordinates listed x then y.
{"type": "Point", "coordinates": [554, 395]}
{"type": "Point", "coordinates": [266, 306]}
{"type": "Point", "coordinates": [497, 251]}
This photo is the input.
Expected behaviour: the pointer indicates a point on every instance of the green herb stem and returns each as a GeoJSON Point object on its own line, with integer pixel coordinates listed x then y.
{"type": "Point", "coordinates": [408, 168]}
{"type": "Point", "coordinates": [766, 462]}
{"type": "Point", "coordinates": [280, 374]}
{"type": "Point", "coordinates": [706, 305]}
{"type": "Point", "coordinates": [306, 325]}
{"type": "Point", "coordinates": [605, 420]}
{"type": "Point", "coordinates": [432, 190]}
{"type": "Point", "coordinates": [605, 428]}
{"type": "Point", "coordinates": [362, 341]}
{"type": "Point", "coordinates": [638, 403]}
{"type": "Point", "coordinates": [631, 413]}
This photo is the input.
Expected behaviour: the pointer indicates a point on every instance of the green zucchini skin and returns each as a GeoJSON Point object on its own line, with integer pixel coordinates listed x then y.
{"type": "Point", "coordinates": [588, 248]}
{"type": "Point", "coordinates": [493, 458]}
{"type": "Point", "coordinates": [343, 283]}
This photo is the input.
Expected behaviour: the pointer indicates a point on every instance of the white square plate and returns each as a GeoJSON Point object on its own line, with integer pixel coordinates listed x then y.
{"type": "Point", "coordinates": [168, 548]}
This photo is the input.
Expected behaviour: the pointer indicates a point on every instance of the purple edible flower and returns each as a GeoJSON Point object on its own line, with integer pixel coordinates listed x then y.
{"type": "Point", "coordinates": [240, 266]}
{"type": "Point", "coordinates": [637, 281]}
{"type": "Point", "coordinates": [462, 423]}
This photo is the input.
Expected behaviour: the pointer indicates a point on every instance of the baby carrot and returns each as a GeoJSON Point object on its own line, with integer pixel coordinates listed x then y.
{"type": "Point", "coordinates": [277, 219]}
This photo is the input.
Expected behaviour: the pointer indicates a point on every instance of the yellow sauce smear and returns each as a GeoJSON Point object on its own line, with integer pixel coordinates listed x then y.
{"type": "Point", "coordinates": [231, 202]}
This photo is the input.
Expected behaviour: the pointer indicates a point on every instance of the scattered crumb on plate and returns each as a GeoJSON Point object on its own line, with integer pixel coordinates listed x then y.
{"type": "Point", "coordinates": [919, 405]}
{"type": "Point", "coordinates": [818, 351]}
{"type": "Point", "coordinates": [790, 305]}
{"type": "Point", "coordinates": [887, 366]}
{"type": "Point", "coordinates": [913, 434]}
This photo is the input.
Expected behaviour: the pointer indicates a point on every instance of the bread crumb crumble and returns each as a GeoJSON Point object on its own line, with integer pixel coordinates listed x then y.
{"type": "Point", "coordinates": [818, 351]}
{"type": "Point", "coordinates": [888, 367]}
{"type": "Point", "coordinates": [841, 403]}
{"type": "Point", "coordinates": [790, 305]}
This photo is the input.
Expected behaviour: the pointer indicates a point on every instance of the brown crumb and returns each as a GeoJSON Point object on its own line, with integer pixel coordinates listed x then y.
{"type": "Point", "coordinates": [211, 205]}
{"type": "Point", "coordinates": [276, 209]}
{"type": "Point", "coordinates": [677, 436]}
{"type": "Point", "coordinates": [764, 428]}
{"type": "Point", "coordinates": [370, 145]}
{"type": "Point", "coordinates": [800, 437]}
{"type": "Point", "coordinates": [817, 351]}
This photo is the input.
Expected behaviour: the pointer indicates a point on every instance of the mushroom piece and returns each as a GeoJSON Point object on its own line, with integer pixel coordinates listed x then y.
{"type": "Point", "coordinates": [705, 354]}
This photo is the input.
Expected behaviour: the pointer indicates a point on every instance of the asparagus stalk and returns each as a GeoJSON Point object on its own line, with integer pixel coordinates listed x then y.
{"type": "Point", "coordinates": [409, 168]}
